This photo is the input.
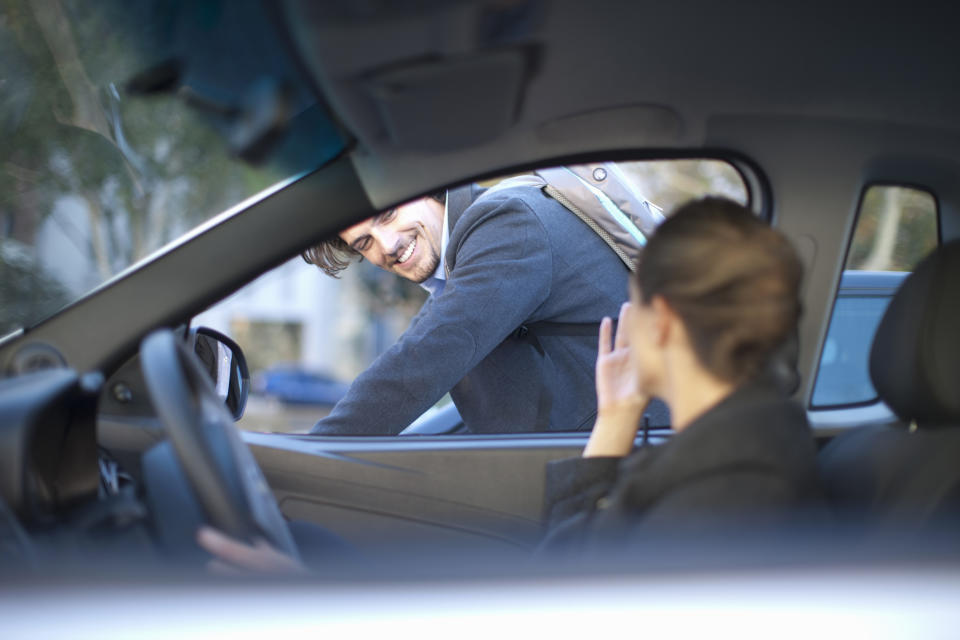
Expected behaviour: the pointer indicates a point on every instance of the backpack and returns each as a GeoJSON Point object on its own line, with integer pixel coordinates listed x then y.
{"type": "Point", "coordinates": [606, 200]}
{"type": "Point", "coordinates": [603, 198]}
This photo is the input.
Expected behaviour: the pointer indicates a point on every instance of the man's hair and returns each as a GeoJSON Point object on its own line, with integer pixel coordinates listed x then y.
{"type": "Point", "coordinates": [333, 255]}
{"type": "Point", "coordinates": [733, 280]}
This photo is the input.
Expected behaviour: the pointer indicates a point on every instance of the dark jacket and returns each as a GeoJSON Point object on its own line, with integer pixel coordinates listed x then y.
{"type": "Point", "coordinates": [748, 462]}
{"type": "Point", "coordinates": [515, 257]}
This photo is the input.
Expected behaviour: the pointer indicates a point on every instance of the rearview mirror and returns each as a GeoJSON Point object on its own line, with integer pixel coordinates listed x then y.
{"type": "Point", "coordinates": [223, 359]}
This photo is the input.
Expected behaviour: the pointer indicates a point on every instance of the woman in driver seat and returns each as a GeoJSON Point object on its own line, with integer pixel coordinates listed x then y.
{"type": "Point", "coordinates": [715, 295]}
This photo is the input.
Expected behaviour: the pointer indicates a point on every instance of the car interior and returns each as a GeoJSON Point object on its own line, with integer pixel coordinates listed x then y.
{"type": "Point", "coordinates": [117, 412]}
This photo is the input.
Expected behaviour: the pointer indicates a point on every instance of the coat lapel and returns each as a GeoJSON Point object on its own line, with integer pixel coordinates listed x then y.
{"type": "Point", "coordinates": [458, 200]}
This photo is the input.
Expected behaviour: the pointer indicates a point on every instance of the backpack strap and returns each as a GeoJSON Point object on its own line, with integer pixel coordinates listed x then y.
{"type": "Point", "coordinates": [551, 181]}
{"type": "Point", "coordinates": [567, 203]}
{"type": "Point", "coordinates": [532, 330]}
{"type": "Point", "coordinates": [601, 199]}
{"type": "Point", "coordinates": [458, 200]}
{"type": "Point", "coordinates": [545, 398]}
{"type": "Point", "coordinates": [644, 217]}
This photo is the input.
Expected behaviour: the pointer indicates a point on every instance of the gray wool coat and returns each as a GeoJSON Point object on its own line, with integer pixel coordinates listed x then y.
{"type": "Point", "coordinates": [515, 257]}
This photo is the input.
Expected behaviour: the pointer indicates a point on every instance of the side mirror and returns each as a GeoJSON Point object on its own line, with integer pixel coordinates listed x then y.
{"type": "Point", "coordinates": [227, 366]}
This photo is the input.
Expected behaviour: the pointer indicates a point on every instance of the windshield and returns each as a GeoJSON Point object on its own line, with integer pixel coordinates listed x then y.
{"type": "Point", "coordinates": [124, 125]}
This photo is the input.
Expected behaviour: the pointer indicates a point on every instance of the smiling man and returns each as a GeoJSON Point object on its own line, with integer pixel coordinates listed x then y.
{"type": "Point", "coordinates": [509, 271]}
{"type": "Point", "coordinates": [406, 240]}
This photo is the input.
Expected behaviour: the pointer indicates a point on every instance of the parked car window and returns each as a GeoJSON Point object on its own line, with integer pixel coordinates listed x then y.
{"type": "Point", "coordinates": [896, 227]}
{"type": "Point", "coordinates": [307, 336]}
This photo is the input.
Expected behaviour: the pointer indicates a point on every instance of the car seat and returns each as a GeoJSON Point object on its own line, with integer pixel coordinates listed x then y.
{"type": "Point", "coordinates": [908, 475]}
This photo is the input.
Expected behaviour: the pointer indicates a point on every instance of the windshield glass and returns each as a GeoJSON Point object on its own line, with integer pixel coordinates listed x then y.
{"type": "Point", "coordinates": [122, 130]}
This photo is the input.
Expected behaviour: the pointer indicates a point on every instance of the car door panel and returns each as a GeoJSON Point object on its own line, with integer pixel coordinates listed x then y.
{"type": "Point", "coordinates": [374, 491]}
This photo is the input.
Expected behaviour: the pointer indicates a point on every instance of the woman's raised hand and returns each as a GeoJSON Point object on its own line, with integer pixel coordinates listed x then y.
{"type": "Point", "coordinates": [620, 401]}
{"type": "Point", "coordinates": [617, 378]}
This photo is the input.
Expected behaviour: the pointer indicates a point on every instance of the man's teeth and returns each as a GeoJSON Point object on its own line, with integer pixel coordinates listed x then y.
{"type": "Point", "coordinates": [408, 252]}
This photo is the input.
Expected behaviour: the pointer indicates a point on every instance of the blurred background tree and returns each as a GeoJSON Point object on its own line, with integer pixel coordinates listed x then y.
{"type": "Point", "coordinates": [896, 228]}
{"type": "Point", "coordinates": [118, 177]}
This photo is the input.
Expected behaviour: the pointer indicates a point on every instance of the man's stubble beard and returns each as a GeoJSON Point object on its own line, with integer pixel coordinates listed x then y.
{"type": "Point", "coordinates": [432, 257]}
{"type": "Point", "coordinates": [433, 260]}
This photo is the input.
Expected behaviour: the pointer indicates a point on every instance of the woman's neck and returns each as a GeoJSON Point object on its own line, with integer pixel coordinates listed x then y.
{"type": "Point", "coordinates": [691, 391]}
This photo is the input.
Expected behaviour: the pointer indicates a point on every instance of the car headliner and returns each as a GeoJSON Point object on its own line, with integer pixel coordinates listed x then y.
{"type": "Point", "coordinates": [611, 74]}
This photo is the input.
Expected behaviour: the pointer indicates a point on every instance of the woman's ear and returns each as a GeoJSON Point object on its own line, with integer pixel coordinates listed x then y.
{"type": "Point", "coordinates": [663, 318]}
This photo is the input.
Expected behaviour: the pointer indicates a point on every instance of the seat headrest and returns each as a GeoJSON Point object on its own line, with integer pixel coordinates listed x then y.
{"type": "Point", "coordinates": [915, 358]}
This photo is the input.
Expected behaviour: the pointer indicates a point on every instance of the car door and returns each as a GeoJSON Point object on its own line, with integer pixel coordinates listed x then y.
{"type": "Point", "coordinates": [412, 488]}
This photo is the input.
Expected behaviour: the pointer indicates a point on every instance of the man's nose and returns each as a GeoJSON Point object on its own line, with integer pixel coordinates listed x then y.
{"type": "Point", "coordinates": [387, 242]}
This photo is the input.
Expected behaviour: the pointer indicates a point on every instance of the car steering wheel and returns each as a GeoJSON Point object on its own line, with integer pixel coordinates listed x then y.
{"type": "Point", "coordinates": [218, 464]}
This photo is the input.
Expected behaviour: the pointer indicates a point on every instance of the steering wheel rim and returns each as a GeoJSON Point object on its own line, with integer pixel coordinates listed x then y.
{"type": "Point", "coordinates": [219, 466]}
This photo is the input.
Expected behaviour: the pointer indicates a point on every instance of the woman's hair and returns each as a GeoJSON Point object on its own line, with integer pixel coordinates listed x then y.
{"type": "Point", "coordinates": [333, 255]}
{"type": "Point", "coordinates": [733, 280]}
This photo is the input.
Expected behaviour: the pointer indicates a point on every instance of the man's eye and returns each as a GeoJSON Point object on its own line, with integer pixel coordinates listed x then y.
{"type": "Point", "coordinates": [362, 245]}
{"type": "Point", "coordinates": [388, 215]}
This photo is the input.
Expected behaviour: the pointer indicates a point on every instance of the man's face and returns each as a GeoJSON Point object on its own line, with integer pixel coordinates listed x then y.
{"type": "Point", "coordinates": [404, 240]}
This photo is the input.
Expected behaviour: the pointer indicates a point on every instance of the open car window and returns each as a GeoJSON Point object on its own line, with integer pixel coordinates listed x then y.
{"type": "Point", "coordinates": [897, 226]}
{"type": "Point", "coordinates": [307, 336]}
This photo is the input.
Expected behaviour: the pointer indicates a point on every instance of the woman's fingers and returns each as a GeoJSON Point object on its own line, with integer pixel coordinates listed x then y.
{"type": "Point", "coordinates": [622, 338]}
{"type": "Point", "coordinates": [222, 546]}
{"type": "Point", "coordinates": [233, 554]}
{"type": "Point", "coordinates": [623, 331]}
{"type": "Point", "coordinates": [605, 328]}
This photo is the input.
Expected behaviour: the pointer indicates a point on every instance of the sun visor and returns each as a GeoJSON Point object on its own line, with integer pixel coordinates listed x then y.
{"type": "Point", "coordinates": [430, 75]}
{"type": "Point", "coordinates": [424, 106]}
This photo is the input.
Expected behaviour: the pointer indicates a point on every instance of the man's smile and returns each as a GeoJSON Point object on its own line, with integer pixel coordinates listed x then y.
{"type": "Point", "coordinates": [408, 252]}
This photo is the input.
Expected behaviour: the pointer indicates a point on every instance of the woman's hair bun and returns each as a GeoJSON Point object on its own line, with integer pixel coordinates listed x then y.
{"type": "Point", "coordinates": [732, 279]}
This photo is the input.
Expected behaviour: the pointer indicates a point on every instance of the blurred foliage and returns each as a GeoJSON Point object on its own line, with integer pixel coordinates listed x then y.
{"type": "Point", "coordinates": [896, 228]}
{"type": "Point", "coordinates": [138, 172]}
{"type": "Point", "coordinates": [26, 292]}
{"type": "Point", "coordinates": [671, 183]}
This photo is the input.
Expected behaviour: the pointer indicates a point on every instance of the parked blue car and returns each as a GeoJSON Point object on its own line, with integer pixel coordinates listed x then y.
{"type": "Point", "coordinates": [294, 385]}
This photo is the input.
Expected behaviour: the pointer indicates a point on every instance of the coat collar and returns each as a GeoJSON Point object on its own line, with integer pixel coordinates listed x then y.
{"type": "Point", "coordinates": [458, 201]}
{"type": "Point", "coordinates": [723, 432]}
